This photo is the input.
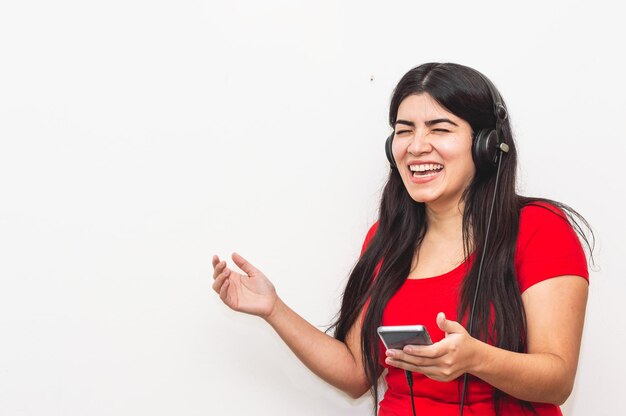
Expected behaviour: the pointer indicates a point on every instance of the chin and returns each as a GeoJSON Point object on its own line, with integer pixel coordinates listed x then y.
{"type": "Point", "coordinates": [439, 195]}
{"type": "Point", "coordinates": [422, 198]}
{"type": "Point", "coordinates": [438, 199]}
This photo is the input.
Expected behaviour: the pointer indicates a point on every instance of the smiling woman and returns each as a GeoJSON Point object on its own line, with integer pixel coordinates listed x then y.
{"type": "Point", "coordinates": [498, 279]}
{"type": "Point", "coordinates": [433, 149]}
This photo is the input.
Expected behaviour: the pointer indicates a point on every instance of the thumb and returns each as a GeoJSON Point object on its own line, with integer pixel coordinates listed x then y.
{"type": "Point", "coordinates": [448, 326]}
{"type": "Point", "coordinates": [244, 265]}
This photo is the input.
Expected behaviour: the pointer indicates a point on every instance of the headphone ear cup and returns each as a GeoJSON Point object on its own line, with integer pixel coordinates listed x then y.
{"type": "Point", "coordinates": [388, 151]}
{"type": "Point", "coordinates": [484, 149]}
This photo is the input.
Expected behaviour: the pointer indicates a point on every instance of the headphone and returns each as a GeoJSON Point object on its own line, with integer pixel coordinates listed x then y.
{"type": "Point", "coordinates": [487, 142]}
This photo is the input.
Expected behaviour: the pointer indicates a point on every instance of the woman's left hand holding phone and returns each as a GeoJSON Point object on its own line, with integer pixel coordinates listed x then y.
{"type": "Point", "coordinates": [251, 293]}
{"type": "Point", "coordinates": [445, 360]}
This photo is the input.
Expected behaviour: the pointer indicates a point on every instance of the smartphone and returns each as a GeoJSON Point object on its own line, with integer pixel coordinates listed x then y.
{"type": "Point", "coordinates": [396, 337]}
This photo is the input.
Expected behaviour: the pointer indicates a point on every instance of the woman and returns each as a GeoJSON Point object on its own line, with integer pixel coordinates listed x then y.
{"type": "Point", "coordinates": [516, 277]}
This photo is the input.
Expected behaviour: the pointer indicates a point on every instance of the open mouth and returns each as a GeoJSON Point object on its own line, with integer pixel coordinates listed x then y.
{"type": "Point", "coordinates": [425, 170]}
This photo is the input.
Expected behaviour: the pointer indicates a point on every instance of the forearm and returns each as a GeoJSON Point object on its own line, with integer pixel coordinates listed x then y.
{"type": "Point", "coordinates": [536, 377]}
{"type": "Point", "coordinates": [324, 355]}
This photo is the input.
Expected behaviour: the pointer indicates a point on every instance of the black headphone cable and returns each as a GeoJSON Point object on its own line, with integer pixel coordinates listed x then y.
{"type": "Point", "coordinates": [409, 380]}
{"type": "Point", "coordinates": [480, 267]}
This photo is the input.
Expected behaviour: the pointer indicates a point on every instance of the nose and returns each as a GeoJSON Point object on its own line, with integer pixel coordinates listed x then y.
{"type": "Point", "coordinates": [420, 144]}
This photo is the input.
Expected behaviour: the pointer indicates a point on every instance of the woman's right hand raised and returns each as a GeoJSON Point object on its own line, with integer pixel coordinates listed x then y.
{"type": "Point", "coordinates": [251, 293]}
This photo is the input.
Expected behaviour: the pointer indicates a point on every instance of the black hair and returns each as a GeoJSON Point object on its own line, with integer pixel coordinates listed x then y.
{"type": "Point", "coordinates": [402, 226]}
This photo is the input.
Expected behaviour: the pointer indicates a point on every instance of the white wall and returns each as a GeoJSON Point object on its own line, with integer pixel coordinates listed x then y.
{"type": "Point", "coordinates": [140, 137]}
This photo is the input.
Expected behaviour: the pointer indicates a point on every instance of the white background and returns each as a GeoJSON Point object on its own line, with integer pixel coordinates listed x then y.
{"type": "Point", "coordinates": [138, 138]}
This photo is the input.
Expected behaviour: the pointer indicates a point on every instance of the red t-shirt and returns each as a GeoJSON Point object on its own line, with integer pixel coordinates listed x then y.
{"type": "Point", "coordinates": [547, 247]}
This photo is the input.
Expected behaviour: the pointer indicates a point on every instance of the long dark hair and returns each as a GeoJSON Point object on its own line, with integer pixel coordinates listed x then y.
{"type": "Point", "coordinates": [402, 226]}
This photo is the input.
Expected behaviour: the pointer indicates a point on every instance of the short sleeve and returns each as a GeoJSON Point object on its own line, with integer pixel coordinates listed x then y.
{"type": "Point", "coordinates": [369, 236]}
{"type": "Point", "coordinates": [547, 246]}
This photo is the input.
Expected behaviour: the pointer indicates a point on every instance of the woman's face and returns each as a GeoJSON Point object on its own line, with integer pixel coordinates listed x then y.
{"type": "Point", "coordinates": [433, 151]}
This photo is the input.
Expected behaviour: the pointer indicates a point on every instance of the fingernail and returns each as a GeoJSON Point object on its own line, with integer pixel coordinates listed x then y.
{"type": "Point", "coordinates": [390, 353]}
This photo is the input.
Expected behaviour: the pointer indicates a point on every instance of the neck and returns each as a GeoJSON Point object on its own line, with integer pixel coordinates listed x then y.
{"type": "Point", "coordinates": [445, 221]}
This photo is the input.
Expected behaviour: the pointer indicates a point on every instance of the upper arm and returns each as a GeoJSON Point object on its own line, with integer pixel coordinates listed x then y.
{"type": "Point", "coordinates": [353, 342]}
{"type": "Point", "coordinates": [353, 337]}
{"type": "Point", "coordinates": [553, 278]}
{"type": "Point", "coordinates": [555, 314]}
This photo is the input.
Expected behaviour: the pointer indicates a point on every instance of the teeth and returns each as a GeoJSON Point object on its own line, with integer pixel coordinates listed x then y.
{"type": "Point", "coordinates": [425, 167]}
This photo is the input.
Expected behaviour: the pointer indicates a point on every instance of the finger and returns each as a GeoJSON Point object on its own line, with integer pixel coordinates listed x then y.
{"type": "Point", "coordinates": [425, 351]}
{"type": "Point", "coordinates": [448, 326]}
{"type": "Point", "coordinates": [215, 261]}
{"type": "Point", "coordinates": [431, 370]}
{"type": "Point", "coordinates": [244, 264]}
{"type": "Point", "coordinates": [224, 291]}
{"type": "Point", "coordinates": [399, 364]}
{"type": "Point", "coordinates": [419, 367]}
{"type": "Point", "coordinates": [219, 281]}
{"type": "Point", "coordinates": [400, 355]}
{"type": "Point", "coordinates": [414, 353]}
{"type": "Point", "coordinates": [219, 269]}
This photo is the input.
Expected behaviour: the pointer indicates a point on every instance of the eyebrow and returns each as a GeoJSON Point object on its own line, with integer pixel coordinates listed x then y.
{"type": "Point", "coordinates": [429, 123]}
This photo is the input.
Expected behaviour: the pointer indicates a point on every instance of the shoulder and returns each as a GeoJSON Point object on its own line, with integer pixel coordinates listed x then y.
{"type": "Point", "coordinates": [369, 236]}
{"type": "Point", "coordinates": [539, 215]}
{"type": "Point", "coordinates": [546, 219]}
{"type": "Point", "coordinates": [547, 245]}
{"type": "Point", "coordinates": [539, 212]}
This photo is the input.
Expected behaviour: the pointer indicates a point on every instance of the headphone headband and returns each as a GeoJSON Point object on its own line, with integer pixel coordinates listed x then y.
{"type": "Point", "coordinates": [499, 110]}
